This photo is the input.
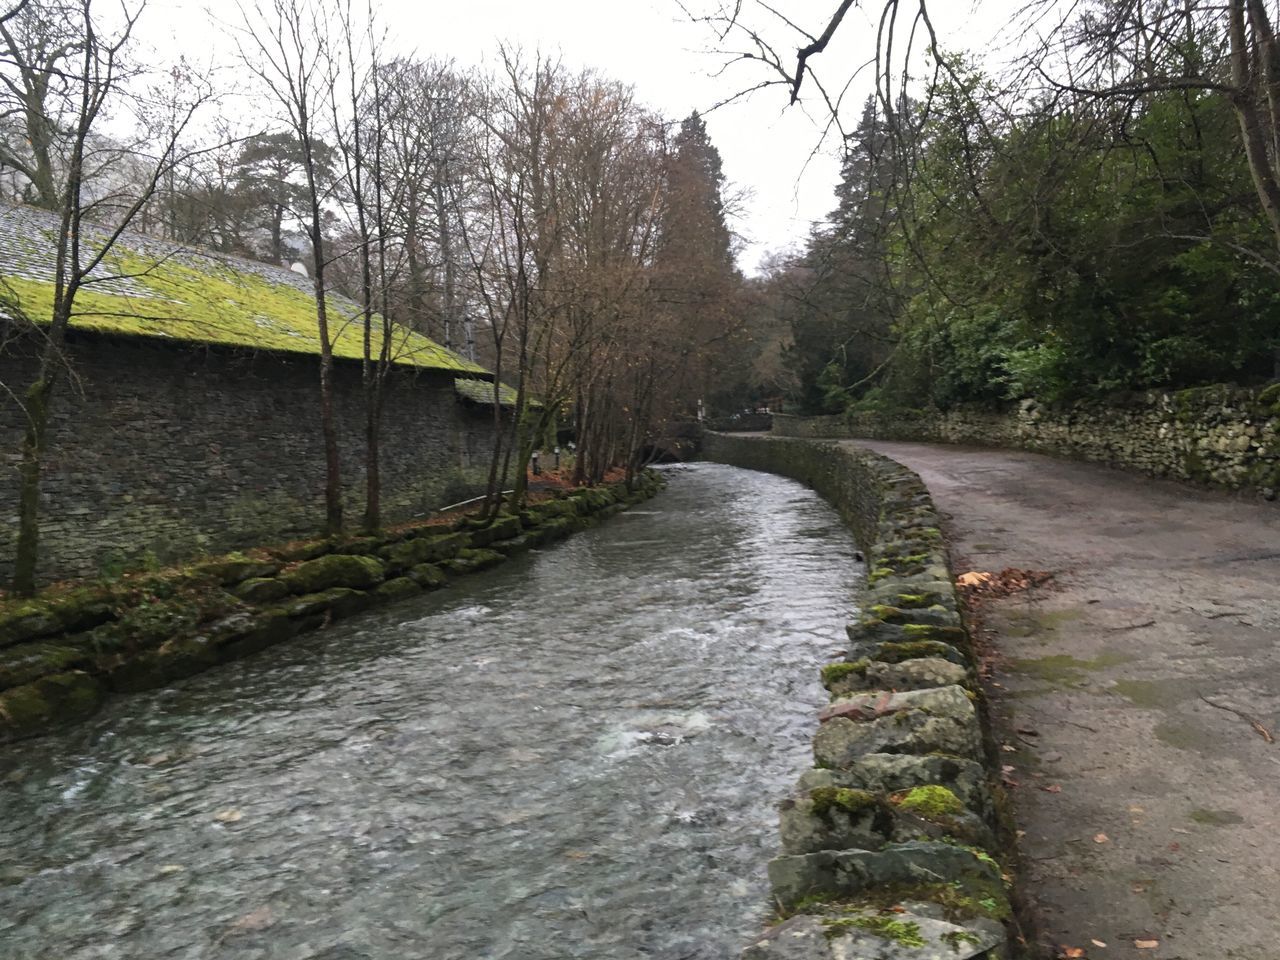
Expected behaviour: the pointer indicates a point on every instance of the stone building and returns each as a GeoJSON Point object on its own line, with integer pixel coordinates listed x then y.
{"type": "Point", "coordinates": [190, 420]}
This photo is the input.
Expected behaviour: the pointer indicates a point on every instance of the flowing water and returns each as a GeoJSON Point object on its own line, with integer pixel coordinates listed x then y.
{"type": "Point", "coordinates": [576, 755]}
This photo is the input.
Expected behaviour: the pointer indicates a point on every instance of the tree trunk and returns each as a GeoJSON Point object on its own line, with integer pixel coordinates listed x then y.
{"type": "Point", "coordinates": [33, 447]}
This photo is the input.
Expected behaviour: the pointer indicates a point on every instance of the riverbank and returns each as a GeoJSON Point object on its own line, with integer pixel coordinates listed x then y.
{"type": "Point", "coordinates": [894, 842]}
{"type": "Point", "coordinates": [63, 654]}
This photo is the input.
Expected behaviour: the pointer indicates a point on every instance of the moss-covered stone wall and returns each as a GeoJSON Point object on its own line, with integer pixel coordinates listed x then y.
{"type": "Point", "coordinates": [1224, 436]}
{"type": "Point", "coordinates": [63, 654]}
{"type": "Point", "coordinates": [892, 845]}
{"type": "Point", "coordinates": [1217, 435]}
{"type": "Point", "coordinates": [160, 452]}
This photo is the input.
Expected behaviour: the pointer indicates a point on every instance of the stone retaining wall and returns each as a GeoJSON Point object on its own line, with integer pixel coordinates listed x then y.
{"type": "Point", "coordinates": [163, 452]}
{"type": "Point", "coordinates": [1223, 435]}
{"type": "Point", "coordinates": [61, 656]}
{"type": "Point", "coordinates": [890, 843]}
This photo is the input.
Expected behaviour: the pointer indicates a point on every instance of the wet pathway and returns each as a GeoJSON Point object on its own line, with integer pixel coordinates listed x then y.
{"type": "Point", "coordinates": [576, 755]}
{"type": "Point", "coordinates": [1151, 817]}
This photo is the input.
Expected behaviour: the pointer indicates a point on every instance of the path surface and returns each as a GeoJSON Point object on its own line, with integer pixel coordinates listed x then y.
{"type": "Point", "coordinates": [1148, 814]}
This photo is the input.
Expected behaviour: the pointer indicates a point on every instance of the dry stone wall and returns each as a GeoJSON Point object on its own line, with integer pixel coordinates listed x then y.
{"type": "Point", "coordinates": [1224, 436]}
{"type": "Point", "coordinates": [165, 452]}
{"type": "Point", "coordinates": [890, 845]}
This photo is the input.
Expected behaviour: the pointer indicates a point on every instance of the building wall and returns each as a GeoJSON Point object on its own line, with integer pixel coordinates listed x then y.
{"type": "Point", "coordinates": [162, 452]}
{"type": "Point", "coordinates": [1224, 436]}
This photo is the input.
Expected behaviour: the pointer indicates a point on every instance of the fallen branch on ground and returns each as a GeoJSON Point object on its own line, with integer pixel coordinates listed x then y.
{"type": "Point", "coordinates": [1254, 722]}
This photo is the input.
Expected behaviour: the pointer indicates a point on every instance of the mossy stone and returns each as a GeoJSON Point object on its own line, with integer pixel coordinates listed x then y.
{"type": "Point", "coordinates": [428, 576]}
{"type": "Point", "coordinates": [410, 553]}
{"type": "Point", "coordinates": [298, 552]}
{"type": "Point", "coordinates": [235, 567]}
{"type": "Point", "coordinates": [931, 801]}
{"type": "Point", "coordinates": [502, 528]}
{"type": "Point", "coordinates": [75, 610]}
{"type": "Point", "coordinates": [838, 676]}
{"type": "Point", "coordinates": [358, 545]}
{"type": "Point", "coordinates": [172, 660]}
{"type": "Point", "coordinates": [472, 561]}
{"type": "Point", "coordinates": [261, 590]}
{"type": "Point", "coordinates": [336, 601]}
{"type": "Point", "coordinates": [400, 588]}
{"type": "Point", "coordinates": [828, 799]}
{"type": "Point", "coordinates": [334, 570]}
{"type": "Point", "coordinates": [914, 649]}
{"type": "Point", "coordinates": [60, 698]}
{"type": "Point", "coordinates": [29, 661]}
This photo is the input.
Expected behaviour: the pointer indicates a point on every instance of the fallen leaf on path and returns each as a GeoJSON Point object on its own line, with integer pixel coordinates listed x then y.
{"type": "Point", "coordinates": [1100, 838]}
{"type": "Point", "coordinates": [1052, 788]}
{"type": "Point", "coordinates": [1146, 944]}
{"type": "Point", "coordinates": [1097, 943]}
{"type": "Point", "coordinates": [1011, 580]}
{"type": "Point", "coordinates": [1070, 953]}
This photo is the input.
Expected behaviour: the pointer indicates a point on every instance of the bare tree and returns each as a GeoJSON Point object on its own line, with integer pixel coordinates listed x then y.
{"type": "Point", "coordinates": [88, 85]}
{"type": "Point", "coordinates": [286, 44]}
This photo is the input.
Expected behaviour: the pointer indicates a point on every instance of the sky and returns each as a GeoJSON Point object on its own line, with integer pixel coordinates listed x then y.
{"type": "Point", "coordinates": [774, 156]}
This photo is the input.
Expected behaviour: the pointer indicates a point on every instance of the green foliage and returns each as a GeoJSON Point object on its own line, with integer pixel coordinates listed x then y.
{"type": "Point", "coordinates": [1058, 250]}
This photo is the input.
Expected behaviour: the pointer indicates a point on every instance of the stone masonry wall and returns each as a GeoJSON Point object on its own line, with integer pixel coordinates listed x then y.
{"type": "Point", "coordinates": [890, 846]}
{"type": "Point", "coordinates": [168, 452]}
{"type": "Point", "coordinates": [1224, 436]}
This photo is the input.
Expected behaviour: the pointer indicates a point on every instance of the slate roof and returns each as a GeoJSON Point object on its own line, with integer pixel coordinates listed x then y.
{"type": "Point", "coordinates": [481, 391]}
{"type": "Point", "coordinates": [148, 287]}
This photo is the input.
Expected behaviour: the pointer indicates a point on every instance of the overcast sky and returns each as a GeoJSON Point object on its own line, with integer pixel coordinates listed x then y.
{"type": "Point", "coordinates": [767, 148]}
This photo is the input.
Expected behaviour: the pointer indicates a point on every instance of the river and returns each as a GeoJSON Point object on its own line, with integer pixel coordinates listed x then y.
{"type": "Point", "coordinates": [576, 755]}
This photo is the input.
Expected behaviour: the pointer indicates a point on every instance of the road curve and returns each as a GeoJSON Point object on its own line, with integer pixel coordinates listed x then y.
{"type": "Point", "coordinates": [1137, 692]}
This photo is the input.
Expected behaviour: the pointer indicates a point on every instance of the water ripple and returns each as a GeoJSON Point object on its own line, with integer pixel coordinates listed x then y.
{"type": "Point", "coordinates": [576, 755]}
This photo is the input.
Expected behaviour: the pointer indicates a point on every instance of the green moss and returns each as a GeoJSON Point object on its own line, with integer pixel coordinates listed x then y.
{"type": "Point", "coordinates": [905, 933]}
{"type": "Point", "coordinates": [957, 939]}
{"type": "Point", "coordinates": [398, 589]}
{"type": "Point", "coordinates": [827, 799]}
{"type": "Point", "coordinates": [77, 609]}
{"type": "Point", "coordinates": [931, 802]}
{"type": "Point", "coordinates": [233, 568]}
{"type": "Point", "coordinates": [1066, 670]}
{"type": "Point", "coordinates": [261, 590]}
{"type": "Point", "coordinates": [833, 673]}
{"type": "Point", "coordinates": [202, 299]}
{"type": "Point", "coordinates": [1216, 818]}
{"type": "Point", "coordinates": [59, 698]}
{"type": "Point", "coordinates": [29, 661]}
{"type": "Point", "coordinates": [334, 570]}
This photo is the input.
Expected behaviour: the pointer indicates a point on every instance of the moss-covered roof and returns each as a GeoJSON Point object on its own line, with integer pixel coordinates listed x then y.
{"type": "Point", "coordinates": [481, 391]}
{"type": "Point", "coordinates": [152, 288]}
